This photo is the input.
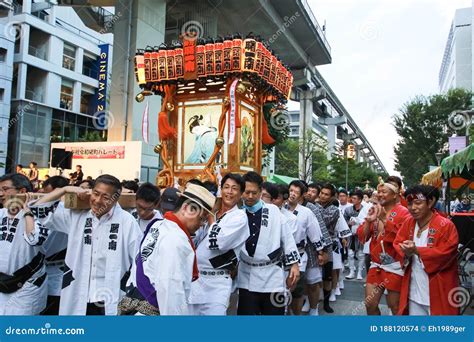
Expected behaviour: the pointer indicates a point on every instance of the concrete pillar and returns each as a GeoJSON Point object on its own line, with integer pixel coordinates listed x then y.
{"type": "Point", "coordinates": [79, 60]}
{"type": "Point", "coordinates": [332, 124]}
{"type": "Point", "coordinates": [76, 99]}
{"type": "Point", "coordinates": [140, 23]}
{"type": "Point", "coordinates": [306, 123]}
{"type": "Point", "coordinates": [25, 38]}
{"type": "Point", "coordinates": [21, 83]}
{"type": "Point", "coordinates": [332, 130]}
{"type": "Point", "coordinates": [26, 8]}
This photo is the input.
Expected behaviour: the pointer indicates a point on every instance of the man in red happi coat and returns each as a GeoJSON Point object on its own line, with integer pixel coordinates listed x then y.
{"type": "Point", "coordinates": [428, 243]}
{"type": "Point", "coordinates": [381, 226]}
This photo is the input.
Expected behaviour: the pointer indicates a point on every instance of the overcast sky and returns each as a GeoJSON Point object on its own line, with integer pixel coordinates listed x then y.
{"type": "Point", "coordinates": [383, 54]}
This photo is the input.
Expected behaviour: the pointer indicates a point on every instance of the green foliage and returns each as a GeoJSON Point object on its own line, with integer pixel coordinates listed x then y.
{"type": "Point", "coordinates": [323, 170]}
{"type": "Point", "coordinates": [92, 136]}
{"type": "Point", "coordinates": [424, 128]}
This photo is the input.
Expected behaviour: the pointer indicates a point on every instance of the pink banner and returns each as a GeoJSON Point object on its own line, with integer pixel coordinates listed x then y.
{"type": "Point", "coordinates": [107, 152]}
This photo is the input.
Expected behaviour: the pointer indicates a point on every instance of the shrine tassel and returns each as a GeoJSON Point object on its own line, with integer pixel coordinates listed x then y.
{"type": "Point", "coordinates": [266, 137]}
{"type": "Point", "coordinates": [165, 131]}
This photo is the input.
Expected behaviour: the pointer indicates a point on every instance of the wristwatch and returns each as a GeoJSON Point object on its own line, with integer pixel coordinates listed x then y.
{"type": "Point", "coordinates": [28, 213]}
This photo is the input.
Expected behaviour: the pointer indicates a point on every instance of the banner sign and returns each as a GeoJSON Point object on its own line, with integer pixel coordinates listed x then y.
{"type": "Point", "coordinates": [107, 152]}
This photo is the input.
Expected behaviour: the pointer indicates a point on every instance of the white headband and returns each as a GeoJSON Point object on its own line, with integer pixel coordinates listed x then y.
{"type": "Point", "coordinates": [392, 187]}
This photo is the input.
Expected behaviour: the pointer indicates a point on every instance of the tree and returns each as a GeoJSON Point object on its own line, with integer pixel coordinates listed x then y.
{"type": "Point", "coordinates": [323, 170]}
{"type": "Point", "coordinates": [424, 125]}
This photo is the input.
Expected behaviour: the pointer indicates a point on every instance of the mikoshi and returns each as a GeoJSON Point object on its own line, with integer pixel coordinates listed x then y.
{"type": "Point", "coordinates": [223, 103]}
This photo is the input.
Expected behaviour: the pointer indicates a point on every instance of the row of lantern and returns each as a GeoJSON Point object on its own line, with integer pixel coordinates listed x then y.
{"type": "Point", "coordinates": [221, 58]}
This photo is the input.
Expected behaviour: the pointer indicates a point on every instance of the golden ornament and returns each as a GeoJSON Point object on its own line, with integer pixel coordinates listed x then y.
{"type": "Point", "coordinates": [158, 148]}
{"type": "Point", "coordinates": [220, 142]}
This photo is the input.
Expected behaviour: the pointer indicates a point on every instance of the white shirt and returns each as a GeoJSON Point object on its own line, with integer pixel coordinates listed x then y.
{"type": "Point", "coordinates": [219, 250]}
{"type": "Point", "coordinates": [419, 281]}
{"type": "Point", "coordinates": [99, 253]}
{"type": "Point", "coordinates": [275, 238]}
{"type": "Point", "coordinates": [168, 262]}
{"type": "Point", "coordinates": [15, 250]}
{"type": "Point", "coordinates": [144, 223]}
{"type": "Point", "coordinates": [343, 207]}
{"type": "Point", "coordinates": [307, 231]}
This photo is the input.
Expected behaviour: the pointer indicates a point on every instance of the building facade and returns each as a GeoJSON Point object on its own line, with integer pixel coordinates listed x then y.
{"type": "Point", "coordinates": [53, 62]}
{"type": "Point", "coordinates": [456, 68]}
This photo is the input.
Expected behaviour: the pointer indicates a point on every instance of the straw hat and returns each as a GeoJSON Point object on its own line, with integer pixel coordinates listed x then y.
{"type": "Point", "coordinates": [200, 195]}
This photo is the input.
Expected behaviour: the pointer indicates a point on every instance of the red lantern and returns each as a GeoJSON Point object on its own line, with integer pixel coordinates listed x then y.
{"type": "Point", "coordinates": [147, 60]}
{"type": "Point", "coordinates": [179, 62]}
{"type": "Point", "coordinates": [236, 54]}
{"type": "Point", "coordinates": [162, 64]}
{"type": "Point", "coordinates": [249, 55]}
{"type": "Point", "coordinates": [273, 65]}
{"type": "Point", "coordinates": [209, 54]}
{"type": "Point", "coordinates": [219, 58]}
{"type": "Point", "coordinates": [170, 64]}
{"type": "Point", "coordinates": [227, 55]}
{"type": "Point", "coordinates": [259, 59]}
{"type": "Point", "coordinates": [155, 77]}
{"type": "Point", "coordinates": [200, 60]}
{"type": "Point", "coordinates": [140, 69]}
{"type": "Point", "coordinates": [267, 55]}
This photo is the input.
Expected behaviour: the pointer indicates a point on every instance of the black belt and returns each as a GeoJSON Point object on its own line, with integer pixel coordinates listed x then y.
{"type": "Point", "coordinates": [12, 283]}
{"type": "Point", "coordinates": [59, 256]}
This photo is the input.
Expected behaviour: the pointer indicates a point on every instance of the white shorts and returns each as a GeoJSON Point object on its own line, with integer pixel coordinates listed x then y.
{"type": "Point", "coordinates": [337, 261]}
{"type": "Point", "coordinates": [313, 275]}
{"type": "Point", "coordinates": [208, 309]}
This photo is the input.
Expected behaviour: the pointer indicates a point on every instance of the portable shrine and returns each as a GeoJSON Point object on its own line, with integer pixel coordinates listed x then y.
{"type": "Point", "coordinates": [221, 104]}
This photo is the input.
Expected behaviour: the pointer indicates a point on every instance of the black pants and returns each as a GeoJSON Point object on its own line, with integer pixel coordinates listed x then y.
{"type": "Point", "coordinates": [95, 309]}
{"type": "Point", "coordinates": [52, 306]}
{"type": "Point", "coordinates": [257, 303]}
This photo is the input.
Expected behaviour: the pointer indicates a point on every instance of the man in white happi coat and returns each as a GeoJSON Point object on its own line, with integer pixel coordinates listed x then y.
{"type": "Point", "coordinates": [308, 232]}
{"type": "Point", "coordinates": [270, 246]}
{"type": "Point", "coordinates": [355, 216]}
{"type": "Point", "coordinates": [147, 199]}
{"type": "Point", "coordinates": [166, 264]}
{"type": "Point", "coordinates": [218, 249]}
{"type": "Point", "coordinates": [102, 244]}
{"type": "Point", "coordinates": [55, 249]}
{"type": "Point", "coordinates": [23, 280]}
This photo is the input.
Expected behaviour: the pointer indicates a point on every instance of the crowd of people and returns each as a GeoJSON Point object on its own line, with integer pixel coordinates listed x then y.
{"type": "Point", "coordinates": [280, 249]}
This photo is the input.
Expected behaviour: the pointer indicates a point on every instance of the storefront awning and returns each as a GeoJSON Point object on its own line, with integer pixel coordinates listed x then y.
{"type": "Point", "coordinates": [460, 163]}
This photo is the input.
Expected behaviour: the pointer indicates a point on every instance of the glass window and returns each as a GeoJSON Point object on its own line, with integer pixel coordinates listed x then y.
{"type": "Point", "coordinates": [56, 131]}
{"type": "Point", "coordinates": [3, 54]}
{"type": "Point", "coordinates": [69, 57]}
{"type": "Point", "coordinates": [2, 94]}
{"type": "Point", "coordinates": [29, 125]}
{"type": "Point", "coordinates": [89, 66]}
{"type": "Point", "coordinates": [87, 100]}
{"type": "Point", "coordinates": [66, 95]}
